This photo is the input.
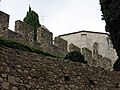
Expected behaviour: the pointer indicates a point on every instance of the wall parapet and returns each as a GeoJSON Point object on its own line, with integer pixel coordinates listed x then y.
{"type": "Point", "coordinates": [96, 59]}
{"type": "Point", "coordinates": [24, 33]}
{"type": "Point", "coordinates": [73, 47]}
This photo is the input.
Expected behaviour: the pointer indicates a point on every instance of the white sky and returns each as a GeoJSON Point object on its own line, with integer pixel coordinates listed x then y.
{"type": "Point", "coordinates": [59, 16]}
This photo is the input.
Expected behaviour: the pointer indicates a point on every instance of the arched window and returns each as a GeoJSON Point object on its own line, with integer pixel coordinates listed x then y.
{"type": "Point", "coordinates": [95, 48]}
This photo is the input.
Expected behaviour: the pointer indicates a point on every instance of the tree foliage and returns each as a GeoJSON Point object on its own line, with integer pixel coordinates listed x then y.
{"type": "Point", "coordinates": [75, 56]}
{"type": "Point", "coordinates": [32, 19]}
{"type": "Point", "coordinates": [111, 15]}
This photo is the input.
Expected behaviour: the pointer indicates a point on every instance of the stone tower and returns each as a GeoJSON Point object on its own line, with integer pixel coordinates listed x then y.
{"type": "Point", "coordinates": [4, 23]}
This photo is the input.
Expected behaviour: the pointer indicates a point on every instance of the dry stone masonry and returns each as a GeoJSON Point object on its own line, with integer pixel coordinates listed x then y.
{"type": "Point", "coordinates": [24, 33]}
{"type": "Point", "coordinates": [20, 70]}
{"type": "Point", "coordinates": [96, 52]}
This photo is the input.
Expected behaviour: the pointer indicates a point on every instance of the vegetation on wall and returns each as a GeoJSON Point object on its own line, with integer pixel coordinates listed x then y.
{"type": "Point", "coordinates": [75, 56]}
{"type": "Point", "coordinates": [32, 19]}
{"type": "Point", "coordinates": [19, 46]}
{"type": "Point", "coordinates": [111, 15]}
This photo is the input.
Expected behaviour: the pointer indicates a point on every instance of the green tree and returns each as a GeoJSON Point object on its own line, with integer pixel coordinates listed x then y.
{"type": "Point", "coordinates": [32, 19]}
{"type": "Point", "coordinates": [111, 15]}
{"type": "Point", "coordinates": [75, 56]}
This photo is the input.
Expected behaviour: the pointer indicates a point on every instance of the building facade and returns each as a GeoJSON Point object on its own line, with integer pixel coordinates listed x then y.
{"type": "Point", "coordinates": [96, 42]}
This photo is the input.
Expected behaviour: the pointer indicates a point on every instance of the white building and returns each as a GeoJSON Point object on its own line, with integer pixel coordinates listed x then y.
{"type": "Point", "coordinates": [94, 41]}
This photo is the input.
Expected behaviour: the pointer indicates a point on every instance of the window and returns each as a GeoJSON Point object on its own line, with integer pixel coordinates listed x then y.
{"type": "Point", "coordinates": [83, 35]}
{"type": "Point", "coordinates": [95, 48]}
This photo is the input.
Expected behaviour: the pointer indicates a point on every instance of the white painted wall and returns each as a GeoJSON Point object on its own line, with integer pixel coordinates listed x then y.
{"type": "Point", "coordinates": [87, 39]}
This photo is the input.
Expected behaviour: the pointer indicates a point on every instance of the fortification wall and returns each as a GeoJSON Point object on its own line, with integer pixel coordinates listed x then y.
{"type": "Point", "coordinates": [73, 47]}
{"type": "Point", "coordinates": [61, 43]}
{"type": "Point", "coordinates": [44, 36]}
{"type": "Point", "coordinates": [25, 30]}
{"type": "Point", "coordinates": [21, 70]}
{"type": "Point", "coordinates": [4, 20]}
{"type": "Point", "coordinates": [4, 23]}
{"type": "Point", "coordinates": [96, 59]}
{"type": "Point", "coordinates": [24, 33]}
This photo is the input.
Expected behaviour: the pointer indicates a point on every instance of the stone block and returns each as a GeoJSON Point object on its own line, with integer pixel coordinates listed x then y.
{"type": "Point", "coordinates": [5, 85]}
{"type": "Point", "coordinates": [11, 79]}
{"type": "Point", "coordinates": [14, 88]}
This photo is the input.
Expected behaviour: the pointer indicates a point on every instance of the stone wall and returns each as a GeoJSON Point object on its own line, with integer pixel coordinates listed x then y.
{"type": "Point", "coordinates": [20, 70]}
{"type": "Point", "coordinates": [24, 33]}
{"type": "Point", "coordinates": [96, 59]}
{"type": "Point", "coordinates": [44, 36]}
{"type": "Point", "coordinates": [88, 56]}
{"type": "Point", "coordinates": [15, 36]}
{"type": "Point", "coordinates": [4, 23]}
{"type": "Point", "coordinates": [61, 43]}
{"type": "Point", "coordinates": [72, 47]}
{"type": "Point", "coordinates": [25, 30]}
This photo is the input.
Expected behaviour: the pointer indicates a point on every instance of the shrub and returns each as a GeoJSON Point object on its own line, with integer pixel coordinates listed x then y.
{"type": "Point", "coordinates": [75, 56]}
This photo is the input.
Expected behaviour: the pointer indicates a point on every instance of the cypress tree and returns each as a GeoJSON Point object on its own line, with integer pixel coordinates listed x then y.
{"type": "Point", "coordinates": [111, 15]}
{"type": "Point", "coordinates": [32, 19]}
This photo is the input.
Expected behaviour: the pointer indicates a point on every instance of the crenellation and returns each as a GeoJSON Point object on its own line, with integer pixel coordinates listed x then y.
{"type": "Point", "coordinates": [91, 48]}
{"type": "Point", "coordinates": [44, 36]}
{"type": "Point", "coordinates": [4, 20]}
{"type": "Point", "coordinates": [20, 70]}
{"type": "Point", "coordinates": [73, 47]}
{"type": "Point", "coordinates": [26, 30]}
{"type": "Point", "coordinates": [15, 36]}
{"type": "Point", "coordinates": [4, 24]}
{"type": "Point", "coordinates": [96, 59]}
{"type": "Point", "coordinates": [24, 33]}
{"type": "Point", "coordinates": [61, 43]}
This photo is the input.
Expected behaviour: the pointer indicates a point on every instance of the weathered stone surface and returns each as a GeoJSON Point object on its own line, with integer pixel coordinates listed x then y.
{"type": "Point", "coordinates": [73, 47]}
{"type": "Point", "coordinates": [4, 75]}
{"type": "Point", "coordinates": [24, 33]}
{"type": "Point", "coordinates": [26, 71]}
{"type": "Point", "coordinates": [1, 80]}
{"type": "Point", "coordinates": [4, 64]}
{"type": "Point", "coordinates": [5, 85]}
{"type": "Point", "coordinates": [19, 70]}
{"type": "Point", "coordinates": [14, 88]}
{"type": "Point", "coordinates": [7, 69]}
{"type": "Point", "coordinates": [22, 88]}
{"type": "Point", "coordinates": [52, 73]}
{"type": "Point", "coordinates": [11, 79]}
{"type": "Point", "coordinates": [17, 79]}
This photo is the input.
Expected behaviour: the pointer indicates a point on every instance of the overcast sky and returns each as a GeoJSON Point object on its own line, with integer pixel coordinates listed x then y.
{"type": "Point", "coordinates": [59, 16]}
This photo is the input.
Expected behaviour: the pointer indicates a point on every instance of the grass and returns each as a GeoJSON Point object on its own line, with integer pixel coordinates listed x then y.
{"type": "Point", "coordinates": [20, 46]}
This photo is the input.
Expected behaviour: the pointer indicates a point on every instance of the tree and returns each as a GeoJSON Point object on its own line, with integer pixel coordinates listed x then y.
{"type": "Point", "coordinates": [75, 56]}
{"type": "Point", "coordinates": [111, 15]}
{"type": "Point", "coordinates": [32, 19]}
